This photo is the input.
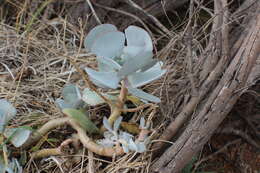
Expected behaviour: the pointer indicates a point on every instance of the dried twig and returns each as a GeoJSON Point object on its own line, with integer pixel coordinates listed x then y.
{"type": "Point", "coordinates": [93, 11]}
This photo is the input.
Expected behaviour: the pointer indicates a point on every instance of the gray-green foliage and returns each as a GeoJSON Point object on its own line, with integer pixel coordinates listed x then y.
{"type": "Point", "coordinates": [132, 63]}
{"type": "Point", "coordinates": [17, 136]}
{"type": "Point", "coordinates": [114, 136]}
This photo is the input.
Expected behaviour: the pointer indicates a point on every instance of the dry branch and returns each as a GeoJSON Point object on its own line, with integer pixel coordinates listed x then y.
{"type": "Point", "coordinates": [210, 108]}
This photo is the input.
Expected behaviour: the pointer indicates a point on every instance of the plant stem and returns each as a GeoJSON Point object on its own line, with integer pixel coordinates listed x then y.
{"type": "Point", "coordinates": [116, 109]}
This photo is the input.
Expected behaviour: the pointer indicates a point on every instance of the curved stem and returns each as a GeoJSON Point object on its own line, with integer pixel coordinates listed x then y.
{"type": "Point", "coordinates": [94, 147]}
{"type": "Point", "coordinates": [116, 110]}
{"type": "Point", "coordinates": [52, 124]}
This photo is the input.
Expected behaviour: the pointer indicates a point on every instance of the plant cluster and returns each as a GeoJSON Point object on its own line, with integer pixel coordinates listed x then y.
{"type": "Point", "coordinates": [125, 63]}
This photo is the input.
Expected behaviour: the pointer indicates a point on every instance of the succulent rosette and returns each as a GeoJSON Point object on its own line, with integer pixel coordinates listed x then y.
{"type": "Point", "coordinates": [124, 57]}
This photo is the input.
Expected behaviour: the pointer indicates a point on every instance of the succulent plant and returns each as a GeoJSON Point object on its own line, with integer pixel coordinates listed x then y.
{"type": "Point", "coordinates": [114, 136]}
{"type": "Point", "coordinates": [17, 136]}
{"type": "Point", "coordinates": [132, 62]}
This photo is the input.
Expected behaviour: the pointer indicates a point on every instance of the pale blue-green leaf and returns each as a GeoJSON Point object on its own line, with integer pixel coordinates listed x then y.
{"type": "Point", "coordinates": [107, 124]}
{"type": "Point", "coordinates": [132, 145]}
{"type": "Point", "coordinates": [126, 136]}
{"type": "Point", "coordinates": [141, 147]}
{"type": "Point", "coordinates": [105, 142]}
{"type": "Point", "coordinates": [96, 32]}
{"type": "Point", "coordinates": [14, 167]}
{"type": "Point", "coordinates": [136, 63]}
{"type": "Point", "coordinates": [107, 64]}
{"type": "Point", "coordinates": [117, 123]}
{"type": "Point", "coordinates": [125, 148]}
{"type": "Point", "coordinates": [60, 103]}
{"type": "Point", "coordinates": [143, 95]}
{"type": "Point", "coordinates": [141, 78]}
{"type": "Point", "coordinates": [107, 79]}
{"type": "Point", "coordinates": [7, 112]}
{"type": "Point", "coordinates": [142, 123]}
{"type": "Point", "coordinates": [71, 93]}
{"type": "Point", "coordinates": [93, 99]}
{"type": "Point", "coordinates": [137, 36]}
{"type": "Point", "coordinates": [131, 51]}
{"type": "Point", "coordinates": [18, 136]}
{"type": "Point", "coordinates": [149, 65]}
{"type": "Point", "coordinates": [109, 45]}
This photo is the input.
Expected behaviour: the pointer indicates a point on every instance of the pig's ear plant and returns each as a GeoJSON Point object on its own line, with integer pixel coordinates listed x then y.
{"type": "Point", "coordinates": [125, 63]}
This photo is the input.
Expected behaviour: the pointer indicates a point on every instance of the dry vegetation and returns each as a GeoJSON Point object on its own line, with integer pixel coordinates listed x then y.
{"type": "Point", "coordinates": [211, 51]}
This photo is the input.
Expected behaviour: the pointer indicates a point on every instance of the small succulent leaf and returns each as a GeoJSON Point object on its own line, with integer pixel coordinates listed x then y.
{"type": "Point", "coordinates": [132, 145]}
{"type": "Point", "coordinates": [96, 32]}
{"type": "Point", "coordinates": [17, 136]}
{"type": "Point", "coordinates": [14, 167]}
{"type": "Point", "coordinates": [125, 148]}
{"type": "Point", "coordinates": [107, 64]}
{"type": "Point", "coordinates": [117, 123]}
{"type": "Point", "coordinates": [71, 93]}
{"type": "Point", "coordinates": [93, 99]}
{"type": "Point", "coordinates": [107, 79]}
{"type": "Point", "coordinates": [61, 104]}
{"type": "Point", "coordinates": [7, 112]}
{"type": "Point", "coordinates": [141, 78]}
{"type": "Point", "coordinates": [141, 147]}
{"type": "Point", "coordinates": [142, 123]}
{"type": "Point", "coordinates": [130, 127]}
{"type": "Point", "coordinates": [109, 44]}
{"type": "Point", "coordinates": [137, 36]}
{"type": "Point", "coordinates": [107, 124]}
{"type": "Point", "coordinates": [136, 63]}
{"type": "Point", "coordinates": [80, 118]}
{"type": "Point", "coordinates": [105, 142]}
{"type": "Point", "coordinates": [143, 95]}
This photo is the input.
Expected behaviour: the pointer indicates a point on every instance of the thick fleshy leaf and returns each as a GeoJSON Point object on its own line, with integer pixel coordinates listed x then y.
{"type": "Point", "coordinates": [80, 118]}
{"type": "Point", "coordinates": [96, 32]}
{"type": "Point", "coordinates": [107, 64]}
{"type": "Point", "coordinates": [142, 123]}
{"type": "Point", "coordinates": [149, 65]}
{"type": "Point", "coordinates": [103, 79]}
{"type": "Point", "coordinates": [92, 99]}
{"type": "Point", "coordinates": [107, 124]}
{"type": "Point", "coordinates": [60, 103]}
{"type": "Point", "coordinates": [14, 167]}
{"type": "Point", "coordinates": [136, 63]}
{"type": "Point", "coordinates": [141, 147]}
{"type": "Point", "coordinates": [18, 136]}
{"type": "Point", "coordinates": [137, 36]}
{"type": "Point", "coordinates": [131, 51]}
{"type": "Point", "coordinates": [132, 145]}
{"type": "Point", "coordinates": [141, 78]}
{"type": "Point", "coordinates": [71, 93]}
{"type": "Point", "coordinates": [109, 45]}
{"type": "Point", "coordinates": [7, 112]}
{"type": "Point", "coordinates": [143, 95]}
